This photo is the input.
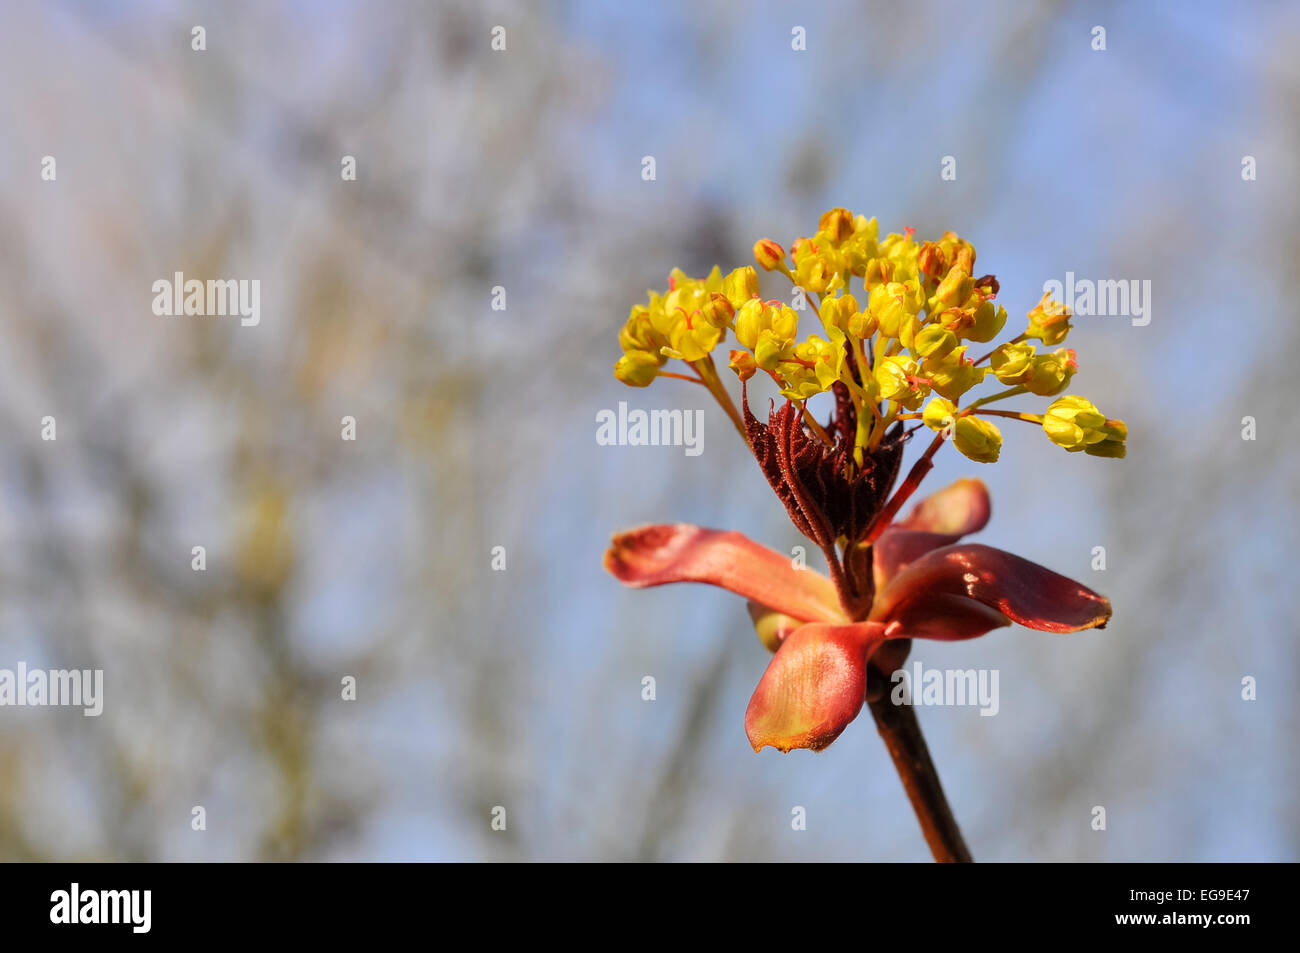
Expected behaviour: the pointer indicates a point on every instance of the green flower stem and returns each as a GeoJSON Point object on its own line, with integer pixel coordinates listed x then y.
{"type": "Point", "coordinates": [709, 374]}
{"type": "Point", "coordinates": [1013, 414]}
{"type": "Point", "coordinates": [1009, 392]}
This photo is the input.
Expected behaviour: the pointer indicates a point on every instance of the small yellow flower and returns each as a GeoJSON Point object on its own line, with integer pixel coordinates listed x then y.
{"type": "Point", "coordinates": [743, 363]}
{"type": "Point", "coordinates": [895, 306]}
{"type": "Point", "coordinates": [934, 342]}
{"type": "Point", "coordinates": [861, 246]}
{"type": "Point", "coordinates": [810, 272]}
{"type": "Point", "coordinates": [816, 365]}
{"type": "Point", "coordinates": [1013, 362]}
{"type": "Point", "coordinates": [718, 311]}
{"type": "Point", "coordinates": [740, 286]}
{"type": "Point", "coordinates": [690, 294]}
{"type": "Point", "coordinates": [1049, 374]}
{"type": "Point", "coordinates": [820, 265]}
{"type": "Point", "coordinates": [1049, 321]}
{"type": "Point", "coordinates": [933, 260]}
{"type": "Point", "coordinates": [836, 312]}
{"type": "Point", "coordinates": [768, 254]}
{"type": "Point", "coordinates": [939, 413]}
{"type": "Point", "coordinates": [771, 349]}
{"type": "Point", "coordinates": [977, 438]}
{"type": "Point", "coordinates": [955, 288]}
{"type": "Point", "coordinates": [988, 319]}
{"type": "Point", "coordinates": [692, 338]}
{"type": "Point", "coordinates": [899, 380]}
{"type": "Point", "coordinates": [837, 224]}
{"type": "Point", "coordinates": [642, 332]}
{"type": "Point", "coordinates": [637, 368]}
{"type": "Point", "coordinates": [903, 250]}
{"type": "Point", "coordinates": [953, 374]}
{"type": "Point", "coordinates": [757, 316]}
{"type": "Point", "coordinates": [1076, 424]}
{"type": "Point", "coordinates": [862, 326]}
{"type": "Point", "coordinates": [960, 251]}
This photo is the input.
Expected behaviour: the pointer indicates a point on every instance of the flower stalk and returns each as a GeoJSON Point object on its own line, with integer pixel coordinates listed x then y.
{"type": "Point", "coordinates": [901, 732]}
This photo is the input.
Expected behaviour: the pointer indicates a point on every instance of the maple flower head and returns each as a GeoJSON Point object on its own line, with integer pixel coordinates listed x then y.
{"type": "Point", "coordinates": [895, 357]}
{"type": "Point", "coordinates": [907, 347]}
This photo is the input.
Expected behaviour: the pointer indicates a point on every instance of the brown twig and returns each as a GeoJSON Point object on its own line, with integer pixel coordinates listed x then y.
{"type": "Point", "coordinates": [901, 731]}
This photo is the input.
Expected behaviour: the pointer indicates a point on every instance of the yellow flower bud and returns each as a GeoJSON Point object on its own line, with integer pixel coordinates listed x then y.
{"type": "Point", "coordinates": [692, 338]}
{"type": "Point", "coordinates": [637, 368]}
{"type": "Point", "coordinates": [785, 322]}
{"type": "Point", "coordinates": [878, 271]}
{"type": "Point", "coordinates": [977, 438]}
{"type": "Point", "coordinates": [836, 312]}
{"type": "Point", "coordinates": [1076, 424]}
{"type": "Point", "coordinates": [934, 342]}
{"type": "Point", "coordinates": [751, 320]}
{"type": "Point", "coordinates": [837, 224]}
{"type": "Point", "coordinates": [768, 253]}
{"type": "Point", "coordinates": [812, 367]}
{"type": "Point", "coordinates": [953, 375]}
{"type": "Point", "coordinates": [861, 245]}
{"type": "Point", "coordinates": [1049, 374]}
{"type": "Point", "coordinates": [952, 291]}
{"type": "Point", "coordinates": [1113, 446]}
{"type": "Point", "coordinates": [939, 413]}
{"type": "Point", "coordinates": [719, 310]}
{"type": "Point", "coordinates": [894, 304]}
{"type": "Point", "coordinates": [640, 332]}
{"type": "Point", "coordinates": [897, 377]}
{"type": "Point", "coordinates": [1049, 321]}
{"type": "Point", "coordinates": [769, 351]}
{"type": "Point", "coordinates": [740, 286]}
{"type": "Point", "coordinates": [1013, 362]}
{"type": "Point", "coordinates": [743, 363]}
{"type": "Point", "coordinates": [989, 320]}
{"type": "Point", "coordinates": [964, 256]}
{"type": "Point", "coordinates": [862, 326]}
{"type": "Point", "coordinates": [932, 259]}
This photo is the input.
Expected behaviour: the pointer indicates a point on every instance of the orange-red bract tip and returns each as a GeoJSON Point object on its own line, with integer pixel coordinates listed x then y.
{"type": "Point", "coordinates": [813, 687]}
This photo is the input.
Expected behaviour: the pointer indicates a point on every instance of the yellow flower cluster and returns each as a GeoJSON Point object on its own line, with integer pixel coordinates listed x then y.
{"type": "Point", "coordinates": [901, 356]}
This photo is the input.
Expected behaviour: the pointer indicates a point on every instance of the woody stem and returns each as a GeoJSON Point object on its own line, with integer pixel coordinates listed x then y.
{"type": "Point", "coordinates": [901, 732]}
